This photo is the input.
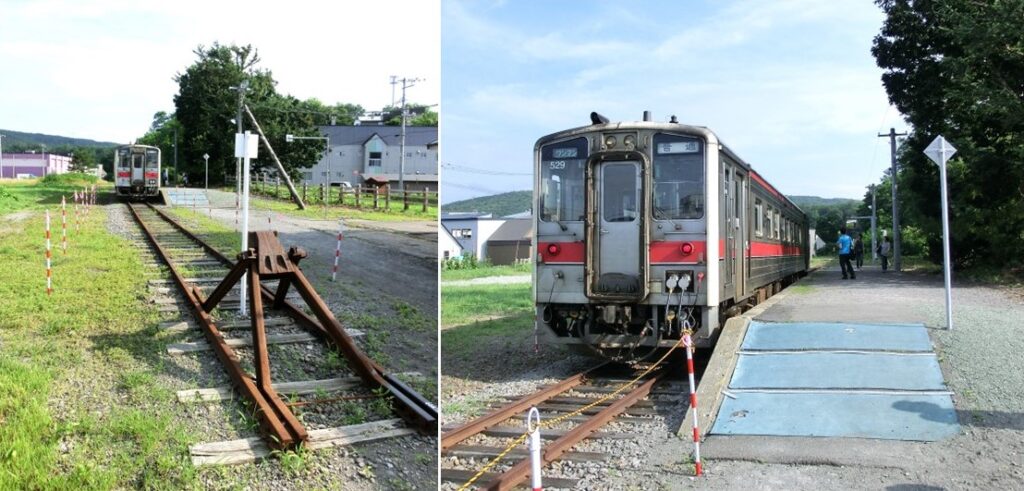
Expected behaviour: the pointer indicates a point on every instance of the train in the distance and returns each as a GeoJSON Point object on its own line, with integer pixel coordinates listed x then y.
{"type": "Point", "coordinates": [644, 230]}
{"type": "Point", "coordinates": [137, 171]}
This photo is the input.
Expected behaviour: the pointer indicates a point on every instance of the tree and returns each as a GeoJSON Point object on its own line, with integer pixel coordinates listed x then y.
{"type": "Point", "coordinates": [957, 69]}
{"type": "Point", "coordinates": [83, 159]}
{"type": "Point", "coordinates": [419, 115]}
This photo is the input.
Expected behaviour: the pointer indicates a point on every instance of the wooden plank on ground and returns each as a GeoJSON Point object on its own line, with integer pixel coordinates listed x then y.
{"type": "Point", "coordinates": [252, 449]}
{"type": "Point", "coordinates": [182, 348]}
{"type": "Point", "coordinates": [302, 387]}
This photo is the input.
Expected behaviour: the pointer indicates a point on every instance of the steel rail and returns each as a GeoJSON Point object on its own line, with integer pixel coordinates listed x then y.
{"type": "Point", "coordinates": [552, 451]}
{"type": "Point", "coordinates": [274, 417]}
{"type": "Point", "coordinates": [455, 436]}
{"type": "Point", "coordinates": [411, 405]}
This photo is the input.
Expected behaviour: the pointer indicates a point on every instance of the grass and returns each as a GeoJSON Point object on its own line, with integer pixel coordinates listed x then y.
{"type": "Point", "coordinates": [37, 194]}
{"type": "Point", "coordinates": [823, 262]}
{"type": "Point", "coordinates": [484, 271]}
{"type": "Point", "coordinates": [315, 208]}
{"type": "Point", "coordinates": [464, 304]}
{"type": "Point", "coordinates": [92, 346]}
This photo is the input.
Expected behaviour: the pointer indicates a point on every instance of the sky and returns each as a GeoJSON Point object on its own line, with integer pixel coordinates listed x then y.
{"type": "Point", "coordinates": [100, 69]}
{"type": "Point", "coordinates": [789, 85]}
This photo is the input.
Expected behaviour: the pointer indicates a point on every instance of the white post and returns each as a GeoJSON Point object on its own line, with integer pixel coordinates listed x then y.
{"type": "Point", "coordinates": [940, 151]}
{"type": "Point", "coordinates": [533, 427]}
{"type": "Point", "coordinates": [247, 151]}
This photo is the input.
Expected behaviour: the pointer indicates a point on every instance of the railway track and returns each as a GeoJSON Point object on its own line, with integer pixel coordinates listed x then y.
{"type": "Point", "coordinates": [582, 406]}
{"type": "Point", "coordinates": [205, 284]}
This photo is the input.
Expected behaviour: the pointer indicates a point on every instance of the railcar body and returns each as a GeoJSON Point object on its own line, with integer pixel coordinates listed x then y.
{"type": "Point", "coordinates": [137, 171]}
{"type": "Point", "coordinates": [644, 230]}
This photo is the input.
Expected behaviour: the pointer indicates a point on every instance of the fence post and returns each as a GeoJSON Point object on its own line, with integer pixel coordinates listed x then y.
{"type": "Point", "coordinates": [405, 200]}
{"type": "Point", "coordinates": [277, 185]}
{"type": "Point", "coordinates": [304, 186]}
{"type": "Point", "coordinates": [359, 191]}
{"type": "Point", "coordinates": [341, 195]}
{"type": "Point", "coordinates": [387, 198]}
{"type": "Point", "coordinates": [376, 197]}
{"type": "Point", "coordinates": [425, 200]}
{"type": "Point", "coordinates": [322, 198]}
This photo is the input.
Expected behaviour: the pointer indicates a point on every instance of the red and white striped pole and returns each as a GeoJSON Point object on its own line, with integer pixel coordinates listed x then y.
{"type": "Point", "coordinates": [63, 225]}
{"type": "Point", "coordinates": [337, 255]}
{"type": "Point", "coordinates": [688, 342]}
{"type": "Point", "coordinates": [533, 428]}
{"type": "Point", "coordinates": [49, 274]}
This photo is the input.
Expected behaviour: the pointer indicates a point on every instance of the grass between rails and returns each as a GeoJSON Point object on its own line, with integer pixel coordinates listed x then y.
{"type": "Point", "coordinates": [80, 405]}
{"type": "Point", "coordinates": [484, 271]}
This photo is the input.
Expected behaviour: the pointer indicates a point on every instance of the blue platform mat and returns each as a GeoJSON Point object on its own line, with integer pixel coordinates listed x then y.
{"type": "Point", "coordinates": [883, 416]}
{"type": "Point", "coordinates": [816, 370]}
{"type": "Point", "coordinates": [832, 336]}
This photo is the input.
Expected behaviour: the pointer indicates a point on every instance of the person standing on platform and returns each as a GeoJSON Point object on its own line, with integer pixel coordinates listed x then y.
{"type": "Point", "coordinates": [845, 244]}
{"type": "Point", "coordinates": [883, 250]}
{"type": "Point", "coordinates": [858, 251]}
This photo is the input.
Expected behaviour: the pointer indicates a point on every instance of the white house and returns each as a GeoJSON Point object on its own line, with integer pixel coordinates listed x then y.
{"type": "Point", "coordinates": [364, 155]}
{"type": "Point", "coordinates": [471, 230]}
{"type": "Point", "coordinates": [447, 246]}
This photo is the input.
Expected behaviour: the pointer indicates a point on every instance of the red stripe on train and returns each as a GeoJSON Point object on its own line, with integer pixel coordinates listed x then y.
{"type": "Point", "coordinates": [762, 249]}
{"type": "Point", "coordinates": [561, 252]}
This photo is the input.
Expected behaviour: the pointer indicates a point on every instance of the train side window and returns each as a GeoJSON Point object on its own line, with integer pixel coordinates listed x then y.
{"type": "Point", "coordinates": [758, 218]}
{"type": "Point", "coordinates": [776, 229]}
{"type": "Point", "coordinates": [768, 229]}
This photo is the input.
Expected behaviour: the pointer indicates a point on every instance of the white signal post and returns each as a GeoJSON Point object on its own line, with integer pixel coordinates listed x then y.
{"type": "Point", "coordinates": [940, 151]}
{"type": "Point", "coordinates": [246, 147]}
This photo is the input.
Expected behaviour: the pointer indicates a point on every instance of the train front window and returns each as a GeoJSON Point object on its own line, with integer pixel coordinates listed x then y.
{"type": "Point", "coordinates": [678, 177]}
{"type": "Point", "coordinates": [137, 160]}
{"type": "Point", "coordinates": [152, 158]}
{"type": "Point", "coordinates": [124, 157]}
{"type": "Point", "coordinates": [562, 181]}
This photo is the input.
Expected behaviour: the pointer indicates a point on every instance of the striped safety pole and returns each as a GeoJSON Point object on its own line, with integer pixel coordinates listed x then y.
{"type": "Point", "coordinates": [63, 225]}
{"type": "Point", "coordinates": [533, 428]}
{"type": "Point", "coordinates": [688, 342]}
{"type": "Point", "coordinates": [49, 274]}
{"type": "Point", "coordinates": [337, 254]}
{"type": "Point", "coordinates": [77, 228]}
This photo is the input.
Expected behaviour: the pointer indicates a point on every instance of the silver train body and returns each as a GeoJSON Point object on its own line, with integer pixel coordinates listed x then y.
{"type": "Point", "coordinates": [137, 171]}
{"type": "Point", "coordinates": [646, 230]}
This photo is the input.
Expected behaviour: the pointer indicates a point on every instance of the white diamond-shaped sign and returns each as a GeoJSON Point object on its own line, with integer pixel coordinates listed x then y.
{"type": "Point", "coordinates": [940, 150]}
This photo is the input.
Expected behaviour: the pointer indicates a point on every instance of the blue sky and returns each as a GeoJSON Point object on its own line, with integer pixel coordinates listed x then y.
{"type": "Point", "coordinates": [100, 68]}
{"type": "Point", "coordinates": [789, 85]}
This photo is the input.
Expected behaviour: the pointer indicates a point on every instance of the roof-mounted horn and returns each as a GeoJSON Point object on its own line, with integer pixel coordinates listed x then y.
{"type": "Point", "coordinates": [598, 119]}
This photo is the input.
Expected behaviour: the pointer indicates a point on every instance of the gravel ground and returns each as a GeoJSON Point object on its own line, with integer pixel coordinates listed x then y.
{"type": "Point", "coordinates": [396, 463]}
{"type": "Point", "coordinates": [981, 360]}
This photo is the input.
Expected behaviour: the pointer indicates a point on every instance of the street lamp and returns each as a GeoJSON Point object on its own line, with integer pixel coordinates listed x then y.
{"type": "Point", "coordinates": [206, 157]}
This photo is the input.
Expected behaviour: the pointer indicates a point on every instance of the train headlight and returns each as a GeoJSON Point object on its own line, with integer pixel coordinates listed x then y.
{"type": "Point", "coordinates": [629, 141]}
{"type": "Point", "coordinates": [151, 182]}
{"type": "Point", "coordinates": [610, 141]}
{"type": "Point", "coordinates": [686, 248]}
{"type": "Point", "coordinates": [554, 249]}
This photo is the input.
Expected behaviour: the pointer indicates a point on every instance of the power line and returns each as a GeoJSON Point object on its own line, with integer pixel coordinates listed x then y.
{"type": "Point", "coordinates": [474, 170]}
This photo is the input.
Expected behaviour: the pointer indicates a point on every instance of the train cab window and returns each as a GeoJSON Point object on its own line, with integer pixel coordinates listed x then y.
{"type": "Point", "coordinates": [137, 160]}
{"type": "Point", "coordinates": [758, 218]}
{"type": "Point", "coordinates": [124, 158]}
{"type": "Point", "coordinates": [152, 158]}
{"type": "Point", "coordinates": [562, 181]}
{"type": "Point", "coordinates": [678, 177]}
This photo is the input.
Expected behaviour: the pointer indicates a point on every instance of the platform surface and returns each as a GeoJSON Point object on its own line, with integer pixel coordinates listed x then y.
{"type": "Point", "coordinates": [818, 379]}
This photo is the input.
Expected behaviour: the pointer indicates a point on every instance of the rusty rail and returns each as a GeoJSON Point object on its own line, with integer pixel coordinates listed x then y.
{"type": "Point", "coordinates": [270, 262]}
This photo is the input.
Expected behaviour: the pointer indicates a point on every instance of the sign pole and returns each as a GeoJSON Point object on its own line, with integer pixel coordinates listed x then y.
{"type": "Point", "coordinates": [940, 151]}
{"type": "Point", "coordinates": [245, 148]}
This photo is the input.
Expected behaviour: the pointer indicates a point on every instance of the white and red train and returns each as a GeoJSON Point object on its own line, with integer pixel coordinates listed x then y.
{"type": "Point", "coordinates": [644, 230]}
{"type": "Point", "coordinates": [137, 171]}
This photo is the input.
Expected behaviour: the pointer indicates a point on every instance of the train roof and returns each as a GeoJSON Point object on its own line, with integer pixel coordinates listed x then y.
{"type": "Point", "coordinates": [704, 131]}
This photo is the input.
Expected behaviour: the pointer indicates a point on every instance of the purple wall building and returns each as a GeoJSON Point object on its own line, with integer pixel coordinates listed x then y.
{"type": "Point", "coordinates": [33, 164]}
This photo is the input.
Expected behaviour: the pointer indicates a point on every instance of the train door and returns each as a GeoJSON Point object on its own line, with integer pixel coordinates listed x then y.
{"type": "Point", "coordinates": [739, 208]}
{"type": "Point", "coordinates": [618, 200]}
{"type": "Point", "coordinates": [729, 252]}
{"type": "Point", "coordinates": [138, 169]}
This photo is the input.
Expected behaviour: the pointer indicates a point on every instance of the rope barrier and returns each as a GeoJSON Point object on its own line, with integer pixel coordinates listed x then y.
{"type": "Point", "coordinates": [551, 422]}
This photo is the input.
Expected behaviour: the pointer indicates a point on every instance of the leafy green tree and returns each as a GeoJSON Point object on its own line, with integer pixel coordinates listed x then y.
{"type": "Point", "coordinates": [83, 159]}
{"type": "Point", "coordinates": [419, 115]}
{"type": "Point", "coordinates": [957, 69]}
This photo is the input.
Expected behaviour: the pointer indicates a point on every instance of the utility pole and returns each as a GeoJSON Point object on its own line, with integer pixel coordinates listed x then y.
{"type": "Point", "coordinates": [891, 135]}
{"type": "Point", "coordinates": [242, 87]}
{"type": "Point", "coordinates": [406, 83]}
{"type": "Point", "coordinates": [874, 222]}
{"type": "Point", "coordinates": [394, 80]}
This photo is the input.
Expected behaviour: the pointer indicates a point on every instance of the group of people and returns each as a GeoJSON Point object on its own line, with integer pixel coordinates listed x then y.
{"type": "Point", "coordinates": [853, 249]}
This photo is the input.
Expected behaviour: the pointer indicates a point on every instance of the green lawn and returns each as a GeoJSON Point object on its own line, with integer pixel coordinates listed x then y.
{"type": "Point", "coordinates": [484, 271]}
{"type": "Point", "coordinates": [81, 406]}
{"type": "Point", "coordinates": [464, 304]}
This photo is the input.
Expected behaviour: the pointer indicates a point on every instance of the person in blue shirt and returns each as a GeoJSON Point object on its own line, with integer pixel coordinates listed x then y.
{"type": "Point", "coordinates": [845, 244]}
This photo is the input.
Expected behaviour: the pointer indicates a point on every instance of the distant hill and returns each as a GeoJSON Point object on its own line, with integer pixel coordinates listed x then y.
{"type": "Point", "coordinates": [498, 204]}
{"type": "Point", "coordinates": [520, 201]}
{"type": "Point", "coordinates": [803, 201]}
{"type": "Point", "coordinates": [16, 141]}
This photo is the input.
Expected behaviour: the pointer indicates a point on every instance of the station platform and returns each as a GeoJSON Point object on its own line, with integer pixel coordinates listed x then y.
{"type": "Point", "coordinates": [824, 371]}
{"type": "Point", "coordinates": [184, 197]}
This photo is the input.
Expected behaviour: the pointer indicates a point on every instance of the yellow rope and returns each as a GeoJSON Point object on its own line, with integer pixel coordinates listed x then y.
{"type": "Point", "coordinates": [522, 438]}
